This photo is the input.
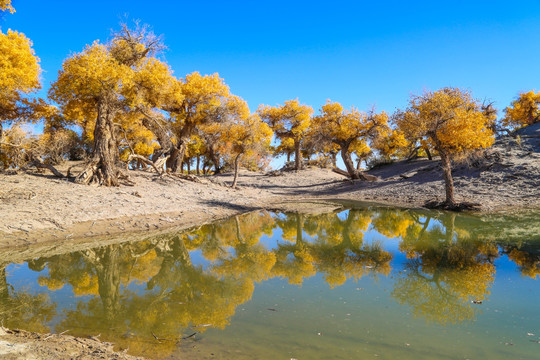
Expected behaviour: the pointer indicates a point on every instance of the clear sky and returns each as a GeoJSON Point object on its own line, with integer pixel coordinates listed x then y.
{"type": "Point", "coordinates": [359, 53]}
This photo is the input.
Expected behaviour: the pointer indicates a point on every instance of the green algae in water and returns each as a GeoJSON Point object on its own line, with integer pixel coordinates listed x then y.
{"type": "Point", "coordinates": [360, 283]}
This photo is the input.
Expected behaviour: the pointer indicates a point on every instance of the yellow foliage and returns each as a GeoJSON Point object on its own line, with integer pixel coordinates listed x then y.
{"type": "Point", "coordinates": [449, 119]}
{"type": "Point", "coordinates": [19, 75]}
{"type": "Point", "coordinates": [392, 143]}
{"type": "Point", "coordinates": [5, 5]}
{"type": "Point", "coordinates": [200, 97]}
{"type": "Point", "coordinates": [248, 135]}
{"type": "Point", "coordinates": [350, 130]}
{"type": "Point", "coordinates": [525, 110]}
{"type": "Point", "coordinates": [152, 85]}
{"type": "Point", "coordinates": [86, 79]}
{"type": "Point", "coordinates": [19, 66]}
{"type": "Point", "coordinates": [290, 120]}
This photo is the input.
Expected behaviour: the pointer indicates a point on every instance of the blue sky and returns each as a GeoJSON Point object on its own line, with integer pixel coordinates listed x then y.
{"type": "Point", "coordinates": [355, 52]}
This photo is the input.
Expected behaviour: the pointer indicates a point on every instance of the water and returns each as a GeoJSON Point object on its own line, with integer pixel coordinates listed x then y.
{"type": "Point", "coordinates": [367, 282]}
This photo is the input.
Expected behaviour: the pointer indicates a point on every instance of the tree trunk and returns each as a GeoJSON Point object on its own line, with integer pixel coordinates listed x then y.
{"type": "Point", "coordinates": [334, 159]}
{"type": "Point", "coordinates": [188, 163]}
{"type": "Point", "coordinates": [179, 152]}
{"type": "Point", "coordinates": [162, 137]}
{"type": "Point", "coordinates": [236, 160]}
{"type": "Point", "coordinates": [288, 157]}
{"type": "Point", "coordinates": [448, 180]}
{"type": "Point", "coordinates": [177, 157]}
{"type": "Point", "coordinates": [215, 160]}
{"type": "Point", "coordinates": [353, 173]}
{"type": "Point", "coordinates": [428, 153]}
{"type": "Point", "coordinates": [198, 164]}
{"type": "Point", "coordinates": [297, 155]}
{"type": "Point", "coordinates": [346, 156]}
{"type": "Point", "coordinates": [102, 168]}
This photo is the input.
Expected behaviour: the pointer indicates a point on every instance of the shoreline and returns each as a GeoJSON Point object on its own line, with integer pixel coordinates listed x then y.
{"type": "Point", "coordinates": [134, 228]}
{"type": "Point", "coordinates": [37, 208]}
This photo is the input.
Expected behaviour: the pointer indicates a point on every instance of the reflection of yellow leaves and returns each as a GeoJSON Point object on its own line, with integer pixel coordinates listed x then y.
{"type": "Point", "coordinates": [86, 285]}
{"type": "Point", "coordinates": [143, 269]}
{"type": "Point", "coordinates": [392, 223]}
{"type": "Point", "coordinates": [528, 263]}
{"type": "Point", "coordinates": [51, 284]}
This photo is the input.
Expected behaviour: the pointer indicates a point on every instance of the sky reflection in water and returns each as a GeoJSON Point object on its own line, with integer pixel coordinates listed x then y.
{"type": "Point", "coordinates": [363, 282]}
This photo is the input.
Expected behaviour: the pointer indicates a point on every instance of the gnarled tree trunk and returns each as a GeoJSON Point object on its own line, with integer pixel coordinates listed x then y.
{"type": "Point", "coordinates": [179, 152]}
{"type": "Point", "coordinates": [163, 138]}
{"type": "Point", "coordinates": [448, 179]}
{"type": "Point", "coordinates": [103, 167]}
{"type": "Point", "coordinates": [347, 160]}
{"type": "Point", "coordinates": [351, 169]}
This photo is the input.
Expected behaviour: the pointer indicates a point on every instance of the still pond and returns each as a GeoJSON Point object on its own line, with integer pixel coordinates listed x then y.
{"type": "Point", "coordinates": [360, 283]}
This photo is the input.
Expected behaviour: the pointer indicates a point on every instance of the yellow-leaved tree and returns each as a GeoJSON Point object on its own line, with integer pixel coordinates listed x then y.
{"type": "Point", "coordinates": [451, 121]}
{"type": "Point", "coordinates": [523, 111]}
{"type": "Point", "coordinates": [351, 130]}
{"type": "Point", "coordinates": [215, 130]}
{"type": "Point", "coordinates": [95, 88]}
{"type": "Point", "coordinates": [19, 76]}
{"type": "Point", "coordinates": [202, 102]}
{"type": "Point", "coordinates": [88, 87]}
{"type": "Point", "coordinates": [248, 136]}
{"type": "Point", "coordinates": [288, 121]}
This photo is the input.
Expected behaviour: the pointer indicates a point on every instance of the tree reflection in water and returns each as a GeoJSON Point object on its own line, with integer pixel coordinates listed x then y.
{"type": "Point", "coordinates": [148, 296]}
{"type": "Point", "coordinates": [447, 270]}
{"type": "Point", "coordinates": [23, 310]}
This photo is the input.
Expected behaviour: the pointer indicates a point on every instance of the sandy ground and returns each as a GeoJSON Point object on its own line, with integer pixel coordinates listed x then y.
{"type": "Point", "coordinates": [40, 213]}
{"type": "Point", "coordinates": [37, 207]}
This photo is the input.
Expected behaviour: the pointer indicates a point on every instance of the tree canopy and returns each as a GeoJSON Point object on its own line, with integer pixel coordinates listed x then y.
{"type": "Point", "coordinates": [288, 121]}
{"type": "Point", "coordinates": [525, 110]}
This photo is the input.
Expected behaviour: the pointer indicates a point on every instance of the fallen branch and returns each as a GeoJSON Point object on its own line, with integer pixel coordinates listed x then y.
{"type": "Point", "coordinates": [144, 160]}
{"type": "Point", "coordinates": [186, 177]}
{"type": "Point", "coordinates": [41, 165]}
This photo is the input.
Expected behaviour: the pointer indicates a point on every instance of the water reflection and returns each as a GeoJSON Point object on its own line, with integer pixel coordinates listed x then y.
{"type": "Point", "coordinates": [22, 309]}
{"type": "Point", "coordinates": [150, 296]}
{"type": "Point", "coordinates": [447, 271]}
